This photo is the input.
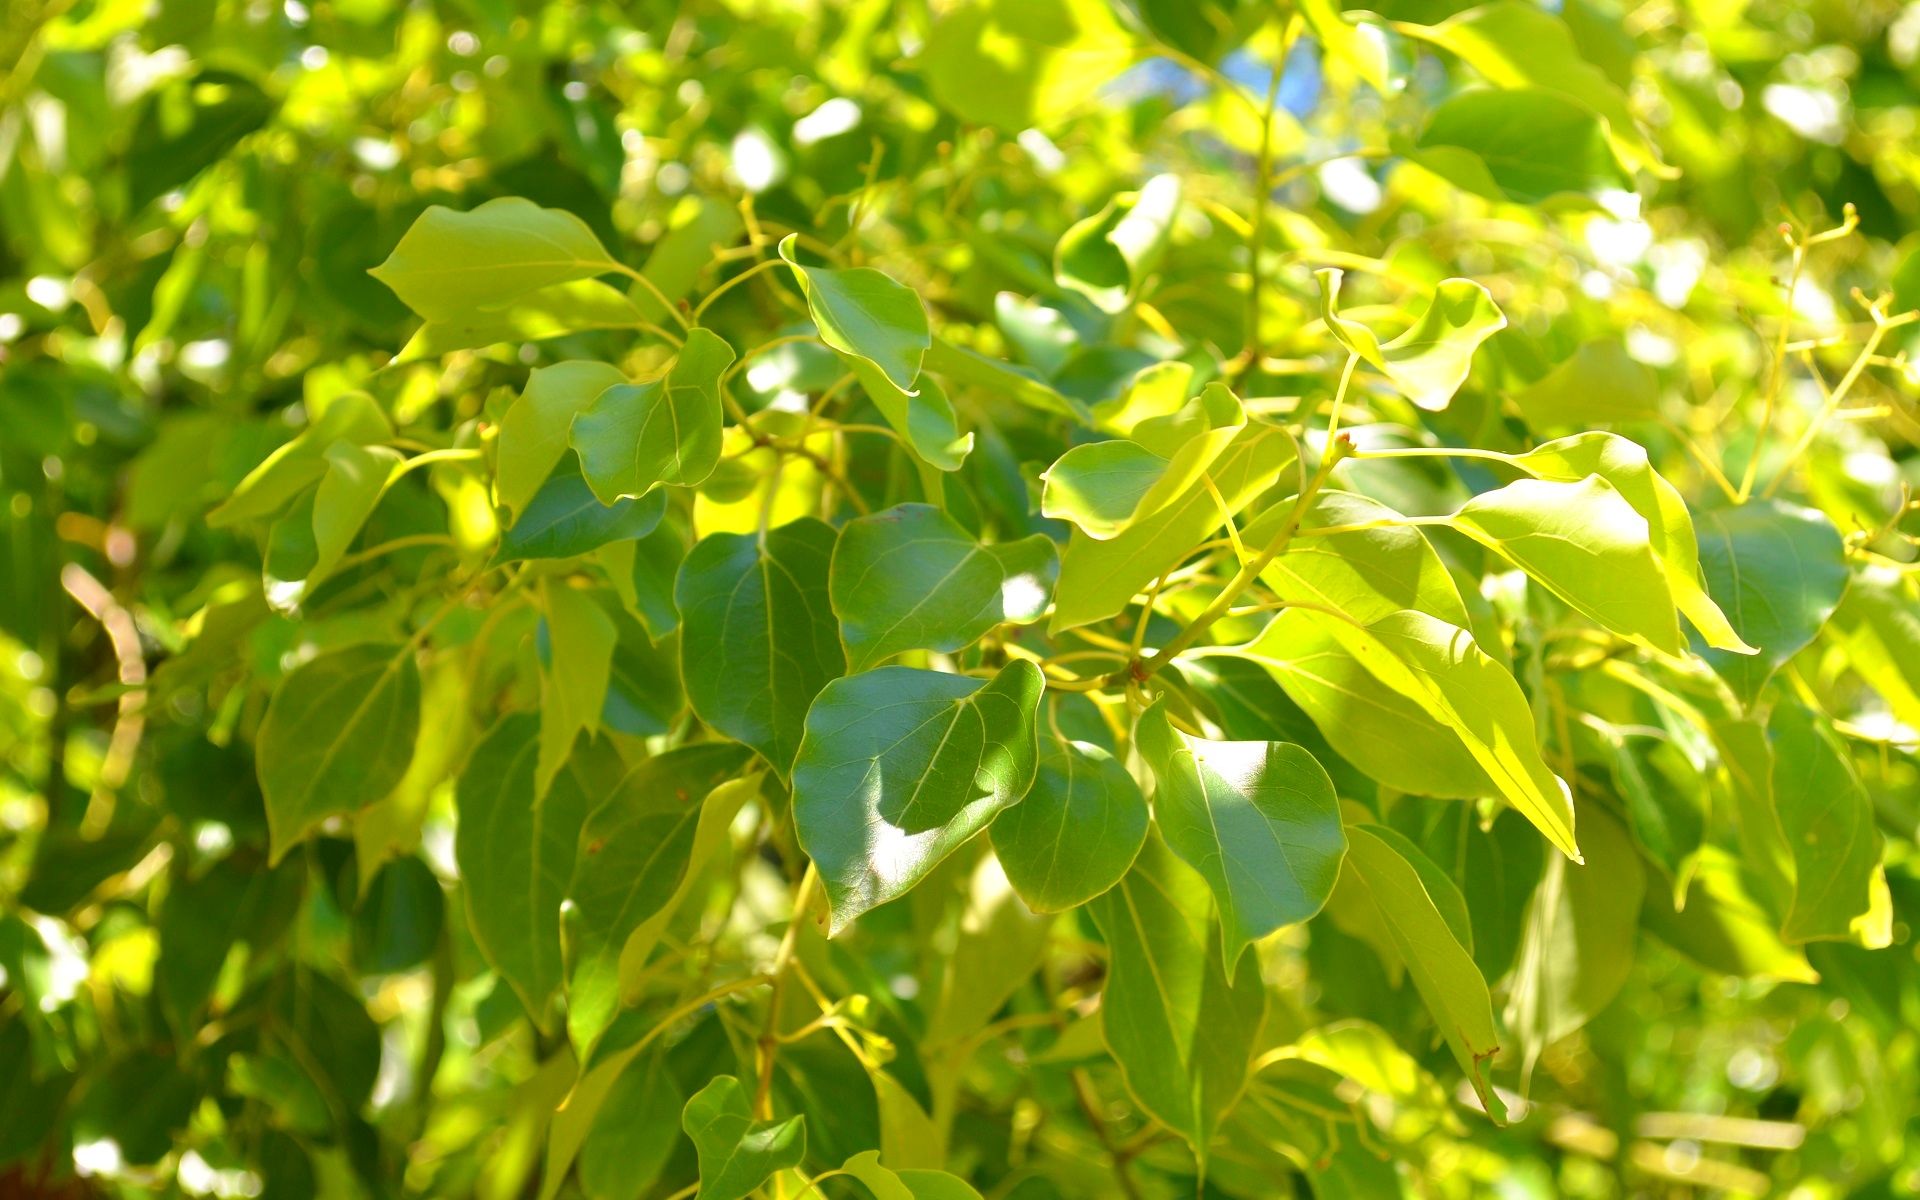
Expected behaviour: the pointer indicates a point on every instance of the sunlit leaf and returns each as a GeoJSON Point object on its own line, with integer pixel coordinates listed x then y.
{"type": "Point", "coordinates": [1430, 361]}
{"type": "Point", "coordinates": [738, 1153]}
{"type": "Point", "coordinates": [453, 263]}
{"type": "Point", "coordinates": [633, 437]}
{"type": "Point", "coordinates": [1077, 832]}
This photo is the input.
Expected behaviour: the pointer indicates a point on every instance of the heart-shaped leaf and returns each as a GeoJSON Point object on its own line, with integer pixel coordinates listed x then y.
{"type": "Point", "coordinates": [738, 1153]}
{"type": "Point", "coordinates": [1430, 361]}
{"type": "Point", "coordinates": [534, 432]}
{"type": "Point", "coordinates": [1105, 487]}
{"type": "Point", "coordinates": [1077, 832]}
{"type": "Point", "coordinates": [635, 436]}
{"type": "Point", "coordinates": [454, 263]}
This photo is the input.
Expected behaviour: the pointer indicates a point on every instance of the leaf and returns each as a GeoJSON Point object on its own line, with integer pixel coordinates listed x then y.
{"type": "Point", "coordinates": [642, 573]}
{"type": "Point", "coordinates": [356, 478]}
{"type": "Point", "coordinates": [687, 250]}
{"type": "Point", "coordinates": [1365, 573]}
{"type": "Point", "coordinates": [1578, 948]}
{"type": "Point", "coordinates": [1022, 64]}
{"type": "Point", "coordinates": [1828, 820]}
{"type": "Point", "coordinates": [297, 465]}
{"type": "Point", "coordinates": [515, 849]}
{"type": "Point", "coordinates": [1764, 853]}
{"type": "Point", "coordinates": [1098, 579]}
{"type": "Point", "coordinates": [759, 640]}
{"type": "Point", "coordinates": [1515, 45]}
{"type": "Point", "coordinates": [580, 639]}
{"type": "Point", "coordinates": [1001, 944]}
{"type": "Point", "coordinates": [1105, 487]}
{"type": "Point", "coordinates": [533, 434]}
{"type": "Point", "coordinates": [635, 436]}
{"type": "Point", "coordinates": [1722, 928]}
{"type": "Point", "coordinates": [1181, 1028]}
{"type": "Point", "coordinates": [1258, 820]}
{"type": "Point", "coordinates": [634, 853]}
{"type": "Point", "coordinates": [1534, 143]}
{"type": "Point", "coordinates": [861, 312]}
{"type": "Point", "coordinates": [1586, 545]}
{"type": "Point", "coordinates": [1108, 256]}
{"type": "Point", "coordinates": [970, 367]}
{"type": "Point", "coordinates": [1670, 533]}
{"type": "Point", "coordinates": [1601, 384]}
{"type": "Point", "coordinates": [910, 578]}
{"type": "Point", "coordinates": [908, 1184]}
{"type": "Point", "coordinates": [565, 519]}
{"type": "Point", "coordinates": [1077, 832]}
{"type": "Point", "coordinates": [1666, 799]}
{"type": "Point", "coordinates": [1879, 623]}
{"type": "Point", "coordinates": [548, 312]}
{"type": "Point", "coordinates": [450, 264]}
{"type": "Point", "coordinates": [338, 735]}
{"type": "Point", "coordinates": [1442, 969]}
{"type": "Point", "coordinates": [925, 418]}
{"type": "Point", "coordinates": [635, 1134]}
{"type": "Point", "coordinates": [1777, 571]}
{"type": "Point", "coordinates": [1430, 361]}
{"type": "Point", "coordinates": [738, 1153]}
{"type": "Point", "coordinates": [900, 766]}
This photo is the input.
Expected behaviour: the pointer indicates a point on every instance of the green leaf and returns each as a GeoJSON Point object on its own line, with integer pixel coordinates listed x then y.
{"type": "Point", "coordinates": [738, 1153]}
{"type": "Point", "coordinates": [642, 572]}
{"type": "Point", "coordinates": [1098, 579]}
{"type": "Point", "coordinates": [1106, 487]}
{"type": "Point", "coordinates": [516, 851]}
{"type": "Point", "coordinates": [910, 578]}
{"type": "Point", "coordinates": [533, 434]}
{"type": "Point", "coordinates": [1578, 948]}
{"type": "Point", "coordinates": [634, 853]}
{"type": "Point", "coordinates": [338, 735]}
{"type": "Point", "coordinates": [1722, 927]}
{"type": "Point", "coordinates": [925, 418]}
{"type": "Point", "coordinates": [1365, 573]}
{"type": "Point", "coordinates": [863, 313]}
{"type": "Point", "coordinates": [1667, 800]}
{"type": "Point", "coordinates": [1515, 45]}
{"type": "Point", "coordinates": [1174, 1017]}
{"type": "Point", "coordinates": [970, 367]}
{"type": "Point", "coordinates": [901, 766]}
{"type": "Point", "coordinates": [1828, 820]}
{"type": "Point", "coordinates": [1670, 533]}
{"type": "Point", "coordinates": [710, 842]}
{"type": "Point", "coordinates": [1764, 853]}
{"type": "Point", "coordinates": [1442, 968]}
{"type": "Point", "coordinates": [759, 639]}
{"type": "Point", "coordinates": [295, 466]}
{"type": "Point", "coordinates": [356, 478]}
{"type": "Point", "coordinates": [1496, 869]}
{"type": "Point", "coordinates": [548, 312]}
{"type": "Point", "coordinates": [1077, 832]}
{"type": "Point", "coordinates": [1879, 623]}
{"type": "Point", "coordinates": [580, 638]}
{"type": "Point", "coordinates": [908, 1184]}
{"type": "Point", "coordinates": [1430, 361]}
{"type": "Point", "coordinates": [1534, 143]}
{"type": "Point", "coordinates": [634, 1134]}
{"type": "Point", "coordinates": [635, 436]}
{"type": "Point", "coordinates": [565, 519]}
{"type": "Point", "coordinates": [1440, 668]}
{"type": "Point", "coordinates": [451, 264]}
{"type": "Point", "coordinates": [1001, 943]}
{"type": "Point", "coordinates": [1107, 256]}
{"type": "Point", "coordinates": [1022, 64]}
{"type": "Point", "coordinates": [1777, 571]}
{"type": "Point", "coordinates": [1601, 384]}
{"type": "Point", "coordinates": [687, 250]}
{"type": "Point", "coordinates": [1586, 545]}
{"type": "Point", "coordinates": [1258, 820]}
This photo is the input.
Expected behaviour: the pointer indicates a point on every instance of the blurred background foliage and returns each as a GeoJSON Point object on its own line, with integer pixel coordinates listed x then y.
{"type": "Point", "coordinates": [193, 191]}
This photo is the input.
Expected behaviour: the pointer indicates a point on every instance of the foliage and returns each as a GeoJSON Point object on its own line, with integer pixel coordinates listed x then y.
{"type": "Point", "coordinates": [1039, 598]}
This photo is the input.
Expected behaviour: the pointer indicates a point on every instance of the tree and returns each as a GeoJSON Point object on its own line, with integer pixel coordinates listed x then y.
{"type": "Point", "coordinates": [1039, 599]}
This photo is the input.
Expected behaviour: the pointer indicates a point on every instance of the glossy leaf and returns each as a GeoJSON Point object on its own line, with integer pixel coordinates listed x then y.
{"type": "Point", "coordinates": [1105, 487]}
{"type": "Point", "coordinates": [910, 578]}
{"type": "Point", "coordinates": [1077, 832]}
{"type": "Point", "coordinates": [738, 1153]}
{"type": "Point", "coordinates": [1365, 573]}
{"type": "Point", "coordinates": [565, 519]}
{"type": "Point", "coordinates": [1777, 572]}
{"type": "Point", "coordinates": [337, 736]}
{"type": "Point", "coordinates": [1099, 578]}
{"type": "Point", "coordinates": [1430, 361]}
{"type": "Point", "coordinates": [1258, 820]}
{"type": "Point", "coordinates": [758, 638]}
{"type": "Point", "coordinates": [534, 431]}
{"type": "Point", "coordinates": [1828, 820]}
{"type": "Point", "coordinates": [1107, 256]}
{"type": "Point", "coordinates": [1670, 532]}
{"type": "Point", "coordinates": [636, 436]}
{"type": "Point", "coordinates": [1442, 969]}
{"type": "Point", "coordinates": [452, 263]}
{"type": "Point", "coordinates": [901, 766]}
{"type": "Point", "coordinates": [861, 312]}
{"type": "Point", "coordinates": [1177, 1019]}
{"type": "Point", "coordinates": [1584, 543]}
